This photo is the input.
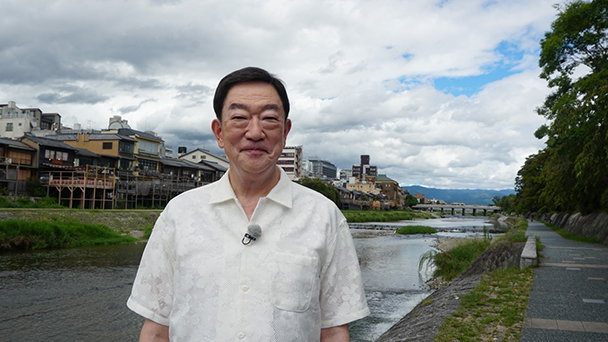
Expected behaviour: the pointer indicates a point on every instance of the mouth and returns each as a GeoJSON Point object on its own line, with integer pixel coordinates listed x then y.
{"type": "Point", "coordinates": [255, 150]}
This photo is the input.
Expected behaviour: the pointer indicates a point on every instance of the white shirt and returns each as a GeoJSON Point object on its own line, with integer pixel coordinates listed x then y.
{"type": "Point", "coordinates": [302, 274]}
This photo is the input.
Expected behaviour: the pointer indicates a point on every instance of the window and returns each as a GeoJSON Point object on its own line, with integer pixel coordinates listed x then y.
{"type": "Point", "coordinates": [147, 164]}
{"type": "Point", "coordinates": [193, 157]}
{"type": "Point", "coordinates": [9, 126]}
{"type": "Point", "coordinates": [125, 165]}
{"type": "Point", "coordinates": [126, 147]}
{"type": "Point", "coordinates": [50, 154]}
{"type": "Point", "coordinates": [148, 147]}
{"type": "Point", "coordinates": [107, 145]}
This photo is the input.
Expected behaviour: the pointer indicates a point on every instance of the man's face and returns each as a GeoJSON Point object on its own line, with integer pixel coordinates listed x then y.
{"type": "Point", "coordinates": [253, 130]}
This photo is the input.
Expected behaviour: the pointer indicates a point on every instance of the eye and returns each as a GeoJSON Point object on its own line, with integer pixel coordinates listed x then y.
{"type": "Point", "coordinates": [238, 117]}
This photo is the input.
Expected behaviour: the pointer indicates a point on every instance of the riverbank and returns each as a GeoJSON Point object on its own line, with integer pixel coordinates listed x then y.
{"type": "Point", "coordinates": [125, 222]}
{"type": "Point", "coordinates": [135, 222]}
{"type": "Point", "coordinates": [35, 235]}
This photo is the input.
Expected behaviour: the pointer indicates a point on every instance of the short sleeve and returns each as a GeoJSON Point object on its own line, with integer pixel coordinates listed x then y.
{"type": "Point", "coordinates": [342, 295]}
{"type": "Point", "coordinates": [152, 292]}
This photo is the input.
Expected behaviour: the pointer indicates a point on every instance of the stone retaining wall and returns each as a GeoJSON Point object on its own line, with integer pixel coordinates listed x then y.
{"type": "Point", "coordinates": [595, 225]}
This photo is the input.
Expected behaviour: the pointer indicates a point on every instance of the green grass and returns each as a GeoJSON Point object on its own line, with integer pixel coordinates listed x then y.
{"type": "Point", "coordinates": [451, 263]}
{"type": "Point", "coordinates": [571, 236]}
{"type": "Point", "coordinates": [24, 202]}
{"type": "Point", "coordinates": [518, 232]}
{"type": "Point", "coordinates": [20, 234]}
{"type": "Point", "coordinates": [383, 216]}
{"type": "Point", "coordinates": [416, 230]}
{"type": "Point", "coordinates": [493, 311]}
{"type": "Point", "coordinates": [147, 232]}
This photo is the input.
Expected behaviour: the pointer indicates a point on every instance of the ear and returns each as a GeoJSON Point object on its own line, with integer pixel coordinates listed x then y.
{"type": "Point", "coordinates": [216, 127]}
{"type": "Point", "coordinates": [286, 131]}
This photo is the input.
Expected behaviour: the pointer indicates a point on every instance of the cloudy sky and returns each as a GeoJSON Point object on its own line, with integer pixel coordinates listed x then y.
{"type": "Point", "coordinates": [438, 93]}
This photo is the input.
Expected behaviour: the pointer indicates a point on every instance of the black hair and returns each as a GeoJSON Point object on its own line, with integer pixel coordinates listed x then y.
{"type": "Point", "coordinates": [249, 74]}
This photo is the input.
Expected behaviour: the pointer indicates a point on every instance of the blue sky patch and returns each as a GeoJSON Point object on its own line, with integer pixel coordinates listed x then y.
{"type": "Point", "coordinates": [470, 85]}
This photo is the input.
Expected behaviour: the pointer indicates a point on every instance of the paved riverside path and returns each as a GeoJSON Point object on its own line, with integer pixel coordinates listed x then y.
{"type": "Point", "coordinates": [569, 298]}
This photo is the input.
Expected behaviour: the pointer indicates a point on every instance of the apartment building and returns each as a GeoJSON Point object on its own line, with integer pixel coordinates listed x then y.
{"type": "Point", "coordinates": [291, 161]}
{"type": "Point", "coordinates": [322, 168]}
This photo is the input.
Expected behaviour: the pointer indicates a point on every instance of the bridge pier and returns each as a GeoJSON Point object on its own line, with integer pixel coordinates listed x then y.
{"type": "Point", "coordinates": [474, 212]}
{"type": "Point", "coordinates": [453, 212]}
{"type": "Point", "coordinates": [463, 212]}
{"type": "Point", "coordinates": [485, 212]}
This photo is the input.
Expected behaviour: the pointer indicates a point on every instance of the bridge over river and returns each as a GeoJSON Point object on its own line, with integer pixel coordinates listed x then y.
{"type": "Point", "coordinates": [458, 207]}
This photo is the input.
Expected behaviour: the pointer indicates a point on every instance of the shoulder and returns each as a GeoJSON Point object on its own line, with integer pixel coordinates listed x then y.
{"type": "Point", "coordinates": [302, 192]}
{"type": "Point", "coordinates": [310, 200]}
{"type": "Point", "coordinates": [193, 197]}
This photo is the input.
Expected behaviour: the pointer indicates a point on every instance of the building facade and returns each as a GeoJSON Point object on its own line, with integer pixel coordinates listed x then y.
{"type": "Point", "coordinates": [16, 122]}
{"type": "Point", "coordinates": [362, 169]}
{"type": "Point", "coordinates": [199, 154]}
{"type": "Point", "coordinates": [323, 168]}
{"type": "Point", "coordinates": [291, 161]}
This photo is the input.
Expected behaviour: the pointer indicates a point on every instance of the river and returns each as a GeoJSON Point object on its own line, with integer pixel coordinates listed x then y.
{"type": "Point", "coordinates": [79, 294]}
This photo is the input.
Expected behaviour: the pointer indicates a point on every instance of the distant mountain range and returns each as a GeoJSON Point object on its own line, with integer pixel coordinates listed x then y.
{"type": "Point", "coordinates": [471, 197]}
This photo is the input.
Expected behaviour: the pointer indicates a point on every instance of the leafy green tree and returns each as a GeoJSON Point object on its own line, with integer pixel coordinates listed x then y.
{"type": "Point", "coordinates": [320, 186]}
{"type": "Point", "coordinates": [410, 200]}
{"type": "Point", "coordinates": [572, 172]}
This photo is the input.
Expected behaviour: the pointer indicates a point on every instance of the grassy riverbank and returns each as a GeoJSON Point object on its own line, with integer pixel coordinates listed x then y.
{"type": "Point", "coordinates": [32, 235]}
{"type": "Point", "coordinates": [495, 309]}
{"type": "Point", "coordinates": [136, 223]}
{"type": "Point", "coordinates": [384, 216]}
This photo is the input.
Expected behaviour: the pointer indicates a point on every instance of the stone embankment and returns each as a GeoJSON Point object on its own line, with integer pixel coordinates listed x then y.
{"type": "Point", "coordinates": [593, 225]}
{"type": "Point", "coordinates": [424, 321]}
{"type": "Point", "coordinates": [131, 222]}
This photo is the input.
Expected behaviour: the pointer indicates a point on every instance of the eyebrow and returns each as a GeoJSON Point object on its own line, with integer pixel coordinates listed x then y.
{"type": "Point", "coordinates": [270, 106]}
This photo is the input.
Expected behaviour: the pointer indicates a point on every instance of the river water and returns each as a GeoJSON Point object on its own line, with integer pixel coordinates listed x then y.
{"type": "Point", "coordinates": [80, 294]}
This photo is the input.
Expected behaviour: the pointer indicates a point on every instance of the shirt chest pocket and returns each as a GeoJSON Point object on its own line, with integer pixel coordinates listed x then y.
{"type": "Point", "coordinates": [293, 281]}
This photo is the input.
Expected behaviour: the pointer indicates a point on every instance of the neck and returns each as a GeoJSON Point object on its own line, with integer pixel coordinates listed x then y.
{"type": "Point", "coordinates": [250, 188]}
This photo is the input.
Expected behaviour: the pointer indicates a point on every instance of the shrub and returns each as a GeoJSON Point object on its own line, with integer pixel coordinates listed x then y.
{"type": "Point", "coordinates": [416, 230]}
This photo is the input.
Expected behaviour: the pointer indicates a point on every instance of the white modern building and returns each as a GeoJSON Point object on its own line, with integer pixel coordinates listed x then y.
{"type": "Point", "coordinates": [15, 122]}
{"type": "Point", "coordinates": [291, 161]}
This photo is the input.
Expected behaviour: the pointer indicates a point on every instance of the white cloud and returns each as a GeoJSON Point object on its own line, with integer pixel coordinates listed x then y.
{"type": "Point", "coordinates": [359, 74]}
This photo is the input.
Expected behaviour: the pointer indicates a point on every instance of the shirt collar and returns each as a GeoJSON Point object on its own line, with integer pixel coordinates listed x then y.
{"type": "Point", "coordinates": [282, 193]}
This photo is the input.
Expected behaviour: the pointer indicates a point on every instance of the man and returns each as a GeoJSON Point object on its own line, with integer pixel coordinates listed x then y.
{"type": "Point", "coordinates": [202, 278]}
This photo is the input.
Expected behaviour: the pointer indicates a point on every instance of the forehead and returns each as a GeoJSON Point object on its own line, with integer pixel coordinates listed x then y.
{"type": "Point", "coordinates": [252, 94]}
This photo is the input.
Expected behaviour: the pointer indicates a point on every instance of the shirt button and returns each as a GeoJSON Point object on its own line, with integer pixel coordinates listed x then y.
{"type": "Point", "coordinates": [241, 335]}
{"type": "Point", "coordinates": [245, 288]}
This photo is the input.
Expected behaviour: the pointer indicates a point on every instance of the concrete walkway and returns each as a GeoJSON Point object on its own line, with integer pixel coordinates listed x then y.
{"type": "Point", "coordinates": [569, 298]}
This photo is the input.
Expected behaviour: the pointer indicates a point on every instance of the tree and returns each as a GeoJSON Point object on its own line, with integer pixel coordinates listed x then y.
{"type": "Point", "coordinates": [320, 186]}
{"type": "Point", "coordinates": [410, 200]}
{"type": "Point", "coordinates": [575, 163]}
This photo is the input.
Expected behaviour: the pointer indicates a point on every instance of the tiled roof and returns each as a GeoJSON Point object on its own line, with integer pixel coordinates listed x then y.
{"type": "Point", "coordinates": [384, 178]}
{"type": "Point", "coordinates": [49, 142]}
{"type": "Point", "coordinates": [129, 132]}
{"type": "Point", "coordinates": [15, 144]}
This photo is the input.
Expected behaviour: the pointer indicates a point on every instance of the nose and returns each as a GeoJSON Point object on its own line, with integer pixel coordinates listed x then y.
{"type": "Point", "coordinates": [254, 130]}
